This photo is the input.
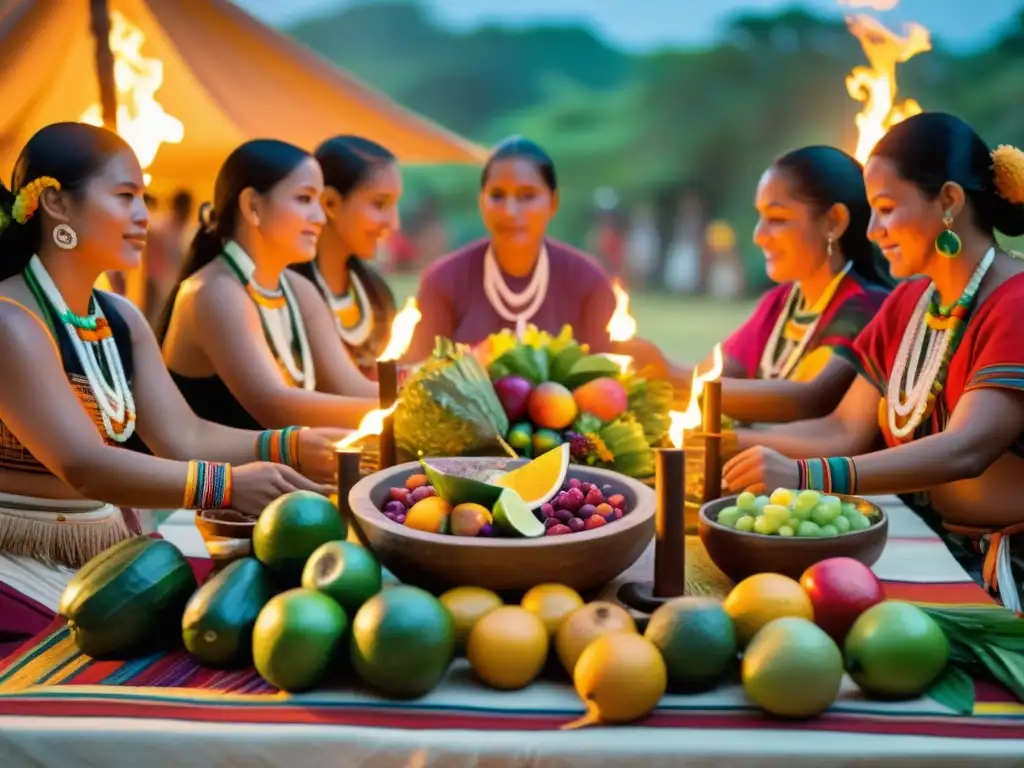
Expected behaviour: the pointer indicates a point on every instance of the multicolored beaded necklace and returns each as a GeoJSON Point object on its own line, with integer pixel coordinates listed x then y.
{"type": "Point", "coordinates": [280, 317]}
{"type": "Point", "coordinates": [929, 342]}
{"type": "Point", "coordinates": [94, 345]}
{"type": "Point", "coordinates": [351, 310]}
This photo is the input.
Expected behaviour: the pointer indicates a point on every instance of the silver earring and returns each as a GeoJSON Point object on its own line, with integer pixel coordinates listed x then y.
{"type": "Point", "coordinates": [65, 237]}
{"type": "Point", "coordinates": [828, 247]}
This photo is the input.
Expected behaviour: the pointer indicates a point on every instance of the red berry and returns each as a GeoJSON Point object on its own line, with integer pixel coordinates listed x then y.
{"type": "Point", "coordinates": [398, 494]}
{"type": "Point", "coordinates": [573, 499]}
{"type": "Point", "coordinates": [619, 513]}
{"type": "Point", "coordinates": [618, 501]}
{"type": "Point", "coordinates": [574, 482]}
{"type": "Point", "coordinates": [592, 522]}
{"type": "Point", "coordinates": [558, 530]}
{"type": "Point", "coordinates": [594, 496]}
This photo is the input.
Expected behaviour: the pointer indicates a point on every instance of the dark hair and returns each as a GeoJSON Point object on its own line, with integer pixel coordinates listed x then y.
{"type": "Point", "coordinates": [824, 176]}
{"type": "Point", "coordinates": [181, 204]}
{"type": "Point", "coordinates": [347, 163]}
{"type": "Point", "coordinates": [261, 164]}
{"type": "Point", "coordinates": [71, 153]}
{"type": "Point", "coordinates": [932, 148]}
{"type": "Point", "coordinates": [518, 148]}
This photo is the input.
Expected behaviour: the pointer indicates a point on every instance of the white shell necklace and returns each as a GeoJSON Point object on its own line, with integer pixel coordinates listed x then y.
{"type": "Point", "coordinates": [359, 333]}
{"type": "Point", "coordinates": [919, 359]}
{"type": "Point", "coordinates": [282, 323]}
{"type": "Point", "coordinates": [517, 308]}
{"type": "Point", "coordinates": [114, 398]}
{"type": "Point", "coordinates": [779, 363]}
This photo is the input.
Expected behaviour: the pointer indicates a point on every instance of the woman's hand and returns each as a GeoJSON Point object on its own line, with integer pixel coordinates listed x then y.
{"type": "Point", "coordinates": [759, 470]}
{"type": "Point", "coordinates": [255, 485]}
{"type": "Point", "coordinates": [317, 459]}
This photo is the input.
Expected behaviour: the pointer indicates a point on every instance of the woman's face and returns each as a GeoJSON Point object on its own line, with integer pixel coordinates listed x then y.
{"type": "Point", "coordinates": [516, 204]}
{"type": "Point", "coordinates": [290, 216]}
{"type": "Point", "coordinates": [110, 218]}
{"type": "Point", "coordinates": [904, 222]}
{"type": "Point", "coordinates": [792, 235]}
{"type": "Point", "coordinates": [369, 213]}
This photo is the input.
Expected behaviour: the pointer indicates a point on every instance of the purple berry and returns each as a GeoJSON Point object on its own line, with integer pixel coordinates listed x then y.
{"type": "Point", "coordinates": [390, 515]}
{"type": "Point", "coordinates": [400, 519]}
{"type": "Point", "coordinates": [418, 494]}
{"type": "Point", "coordinates": [558, 530]}
{"type": "Point", "coordinates": [551, 522]}
{"type": "Point", "coordinates": [594, 497]}
{"type": "Point", "coordinates": [587, 487]}
{"type": "Point", "coordinates": [573, 499]}
{"type": "Point", "coordinates": [574, 482]}
{"type": "Point", "coordinates": [407, 501]}
{"type": "Point", "coordinates": [547, 510]}
{"type": "Point", "coordinates": [575, 525]}
{"type": "Point", "coordinates": [562, 515]}
{"type": "Point", "coordinates": [486, 530]}
{"type": "Point", "coordinates": [586, 511]}
{"type": "Point", "coordinates": [395, 507]}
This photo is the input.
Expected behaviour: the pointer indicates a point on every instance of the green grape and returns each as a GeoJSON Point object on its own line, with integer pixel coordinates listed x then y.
{"type": "Point", "coordinates": [824, 514]}
{"type": "Point", "coordinates": [761, 502]}
{"type": "Point", "coordinates": [766, 525]}
{"type": "Point", "coordinates": [787, 531]}
{"type": "Point", "coordinates": [842, 524]}
{"type": "Point", "coordinates": [832, 501]}
{"type": "Point", "coordinates": [746, 501]}
{"type": "Point", "coordinates": [849, 509]}
{"type": "Point", "coordinates": [807, 529]}
{"type": "Point", "coordinates": [859, 523]}
{"type": "Point", "coordinates": [802, 513]}
{"type": "Point", "coordinates": [777, 514]}
{"type": "Point", "coordinates": [729, 516]}
{"type": "Point", "coordinates": [828, 531]}
{"type": "Point", "coordinates": [745, 523]}
{"type": "Point", "coordinates": [794, 522]}
{"type": "Point", "coordinates": [782, 496]}
{"type": "Point", "coordinates": [806, 500]}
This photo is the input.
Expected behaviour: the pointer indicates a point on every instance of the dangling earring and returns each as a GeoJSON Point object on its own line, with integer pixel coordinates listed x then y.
{"type": "Point", "coordinates": [828, 247]}
{"type": "Point", "coordinates": [948, 242]}
{"type": "Point", "coordinates": [65, 237]}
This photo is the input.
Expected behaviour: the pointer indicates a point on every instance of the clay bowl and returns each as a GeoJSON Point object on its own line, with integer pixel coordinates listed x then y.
{"type": "Point", "coordinates": [225, 540]}
{"type": "Point", "coordinates": [739, 554]}
{"type": "Point", "coordinates": [584, 561]}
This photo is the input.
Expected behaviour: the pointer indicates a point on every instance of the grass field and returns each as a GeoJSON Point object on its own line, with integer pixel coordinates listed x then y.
{"type": "Point", "coordinates": [685, 328]}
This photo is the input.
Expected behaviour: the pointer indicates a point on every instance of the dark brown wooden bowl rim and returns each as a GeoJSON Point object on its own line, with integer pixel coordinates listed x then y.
{"type": "Point", "coordinates": [363, 507]}
{"type": "Point", "coordinates": [727, 501]}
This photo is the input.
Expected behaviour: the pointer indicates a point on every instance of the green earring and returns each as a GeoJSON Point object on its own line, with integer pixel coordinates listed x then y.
{"type": "Point", "coordinates": [948, 243]}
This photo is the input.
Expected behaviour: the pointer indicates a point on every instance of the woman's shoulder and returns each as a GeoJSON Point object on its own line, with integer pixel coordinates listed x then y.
{"type": "Point", "coordinates": [582, 264]}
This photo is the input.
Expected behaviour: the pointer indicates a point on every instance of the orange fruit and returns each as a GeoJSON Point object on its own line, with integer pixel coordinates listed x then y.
{"type": "Point", "coordinates": [763, 597]}
{"type": "Point", "coordinates": [552, 604]}
{"type": "Point", "coordinates": [621, 677]}
{"type": "Point", "coordinates": [429, 515]}
{"type": "Point", "coordinates": [538, 481]}
{"type": "Point", "coordinates": [586, 624]}
{"type": "Point", "coordinates": [467, 605]}
{"type": "Point", "coordinates": [507, 647]}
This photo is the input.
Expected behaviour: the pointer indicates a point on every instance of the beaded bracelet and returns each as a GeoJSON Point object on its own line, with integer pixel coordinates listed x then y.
{"type": "Point", "coordinates": [208, 485]}
{"type": "Point", "coordinates": [280, 446]}
{"type": "Point", "coordinates": [832, 475]}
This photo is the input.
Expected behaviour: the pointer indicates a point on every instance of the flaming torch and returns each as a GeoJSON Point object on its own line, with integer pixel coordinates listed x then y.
{"type": "Point", "coordinates": [402, 329]}
{"type": "Point", "coordinates": [348, 457]}
{"type": "Point", "coordinates": [621, 327]}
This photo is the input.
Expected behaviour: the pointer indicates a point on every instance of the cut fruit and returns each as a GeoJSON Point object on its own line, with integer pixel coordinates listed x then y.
{"type": "Point", "coordinates": [512, 516]}
{"type": "Point", "coordinates": [462, 481]}
{"type": "Point", "coordinates": [538, 481]}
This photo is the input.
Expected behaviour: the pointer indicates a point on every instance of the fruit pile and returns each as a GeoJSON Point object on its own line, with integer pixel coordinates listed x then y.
{"type": "Point", "coordinates": [456, 497]}
{"type": "Point", "coordinates": [807, 514]}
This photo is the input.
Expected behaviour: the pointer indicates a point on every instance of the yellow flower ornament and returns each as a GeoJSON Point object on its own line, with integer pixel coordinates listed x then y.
{"type": "Point", "coordinates": [1008, 169]}
{"type": "Point", "coordinates": [27, 200]}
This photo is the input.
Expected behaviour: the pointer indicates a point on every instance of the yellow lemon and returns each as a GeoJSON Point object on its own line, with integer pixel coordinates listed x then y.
{"type": "Point", "coordinates": [507, 647]}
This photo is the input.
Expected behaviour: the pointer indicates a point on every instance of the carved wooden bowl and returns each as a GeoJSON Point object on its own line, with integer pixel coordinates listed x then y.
{"type": "Point", "coordinates": [584, 561]}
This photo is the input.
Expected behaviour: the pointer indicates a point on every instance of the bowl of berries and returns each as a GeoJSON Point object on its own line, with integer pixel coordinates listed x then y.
{"type": "Point", "coordinates": [504, 524]}
{"type": "Point", "coordinates": [790, 531]}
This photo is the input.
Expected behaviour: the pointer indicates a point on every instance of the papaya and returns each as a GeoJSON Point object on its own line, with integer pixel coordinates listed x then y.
{"type": "Point", "coordinates": [129, 599]}
{"type": "Point", "coordinates": [218, 621]}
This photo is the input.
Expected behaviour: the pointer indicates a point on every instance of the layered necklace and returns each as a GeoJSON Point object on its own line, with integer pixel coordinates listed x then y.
{"type": "Point", "coordinates": [928, 344]}
{"type": "Point", "coordinates": [794, 329]}
{"type": "Point", "coordinates": [280, 317]}
{"type": "Point", "coordinates": [354, 303]}
{"type": "Point", "coordinates": [512, 306]}
{"type": "Point", "coordinates": [94, 345]}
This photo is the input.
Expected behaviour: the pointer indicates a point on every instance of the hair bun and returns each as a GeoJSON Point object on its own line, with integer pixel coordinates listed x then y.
{"type": "Point", "coordinates": [1008, 173]}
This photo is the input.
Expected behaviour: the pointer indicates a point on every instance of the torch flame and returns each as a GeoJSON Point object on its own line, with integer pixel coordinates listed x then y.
{"type": "Point", "coordinates": [875, 85]}
{"type": "Point", "coordinates": [622, 325]}
{"type": "Point", "coordinates": [141, 120]}
{"type": "Point", "coordinates": [371, 424]}
{"type": "Point", "coordinates": [691, 417]}
{"type": "Point", "coordinates": [402, 329]}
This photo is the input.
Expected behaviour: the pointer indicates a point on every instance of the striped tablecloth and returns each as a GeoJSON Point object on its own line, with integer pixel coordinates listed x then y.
{"type": "Point", "coordinates": [58, 708]}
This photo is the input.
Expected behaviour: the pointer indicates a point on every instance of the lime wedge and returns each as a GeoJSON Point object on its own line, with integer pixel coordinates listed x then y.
{"type": "Point", "coordinates": [513, 516]}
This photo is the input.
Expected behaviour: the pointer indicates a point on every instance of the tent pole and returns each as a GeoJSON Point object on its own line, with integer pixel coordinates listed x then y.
{"type": "Point", "coordinates": [99, 12]}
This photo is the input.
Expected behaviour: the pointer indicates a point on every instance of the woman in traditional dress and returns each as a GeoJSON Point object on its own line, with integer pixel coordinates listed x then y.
{"type": "Point", "coordinates": [941, 367]}
{"type": "Point", "coordinates": [250, 343]}
{"type": "Point", "coordinates": [362, 186]}
{"type": "Point", "coordinates": [518, 276]}
{"type": "Point", "coordinates": [790, 359]}
{"type": "Point", "coordinates": [84, 384]}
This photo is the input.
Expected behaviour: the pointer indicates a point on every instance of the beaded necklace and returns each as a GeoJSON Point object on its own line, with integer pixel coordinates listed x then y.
{"type": "Point", "coordinates": [794, 329]}
{"type": "Point", "coordinates": [355, 298]}
{"type": "Point", "coordinates": [518, 308]}
{"type": "Point", "coordinates": [929, 342]}
{"type": "Point", "coordinates": [94, 345]}
{"type": "Point", "coordinates": [279, 315]}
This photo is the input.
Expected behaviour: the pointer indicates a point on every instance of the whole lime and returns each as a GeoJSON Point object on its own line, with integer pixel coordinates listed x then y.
{"type": "Point", "coordinates": [696, 638]}
{"type": "Point", "coordinates": [292, 527]}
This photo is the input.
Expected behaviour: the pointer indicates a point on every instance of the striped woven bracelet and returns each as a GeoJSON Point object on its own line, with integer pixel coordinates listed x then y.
{"type": "Point", "coordinates": [837, 474]}
{"type": "Point", "coordinates": [207, 485]}
{"type": "Point", "coordinates": [280, 446]}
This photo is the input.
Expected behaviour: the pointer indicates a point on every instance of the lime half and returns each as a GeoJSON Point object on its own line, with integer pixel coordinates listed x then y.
{"type": "Point", "coordinates": [512, 515]}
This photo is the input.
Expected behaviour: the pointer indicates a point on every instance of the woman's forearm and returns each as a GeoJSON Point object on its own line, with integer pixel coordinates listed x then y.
{"type": "Point", "coordinates": [297, 407]}
{"type": "Point", "coordinates": [917, 466]}
{"type": "Point", "coordinates": [760, 401]}
{"type": "Point", "coordinates": [209, 441]}
{"type": "Point", "coordinates": [128, 479]}
{"type": "Point", "coordinates": [825, 436]}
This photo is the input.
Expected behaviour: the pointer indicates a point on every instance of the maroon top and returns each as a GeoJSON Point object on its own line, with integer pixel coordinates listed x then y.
{"type": "Point", "coordinates": [452, 301]}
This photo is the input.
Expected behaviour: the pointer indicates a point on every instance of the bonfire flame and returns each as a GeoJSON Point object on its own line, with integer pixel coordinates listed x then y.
{"type": "Point", "coordinates": [402, 329]}
{"type": "Point", "coordinates": [141, 120]}
{"type": "Point", "coordinates": [875, 85]}
{"type": "Point", "coordinates": [370, 425]}
{"type": "Point", "coordinates": [682, 421]}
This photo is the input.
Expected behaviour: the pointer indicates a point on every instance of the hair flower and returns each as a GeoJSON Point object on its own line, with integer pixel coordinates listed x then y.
{"type": "Point", "coordinates": [1008, 169]}
{"type": "Point", "coordinates": [27, 200]}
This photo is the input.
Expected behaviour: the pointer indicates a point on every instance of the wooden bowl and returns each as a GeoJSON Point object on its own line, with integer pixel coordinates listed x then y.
{"type": "Point", "coordinates": [739, 554]}
{"type": "Point", "coordinates": [583, 561]}
{"type": "Point", "coordinates": [225, 540]}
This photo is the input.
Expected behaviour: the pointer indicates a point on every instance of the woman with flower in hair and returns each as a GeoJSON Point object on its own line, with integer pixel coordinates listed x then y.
{"type": "Point", "coordinates": [91, 424]}
{"type": "Point", "coordinates": [362, 186]}
{"type": "Point", "coordinates": [941, 367]}
{"type": "Point", "coordinates": [250, 343]}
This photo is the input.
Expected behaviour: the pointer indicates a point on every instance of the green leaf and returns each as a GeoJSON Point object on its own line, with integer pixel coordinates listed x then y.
{"type": "Point", "coordinates": [954, 689]}
{"type": "Point", "coordinates": [562, 363]}
{"type": "Point", "coordinates": [589, 368]}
